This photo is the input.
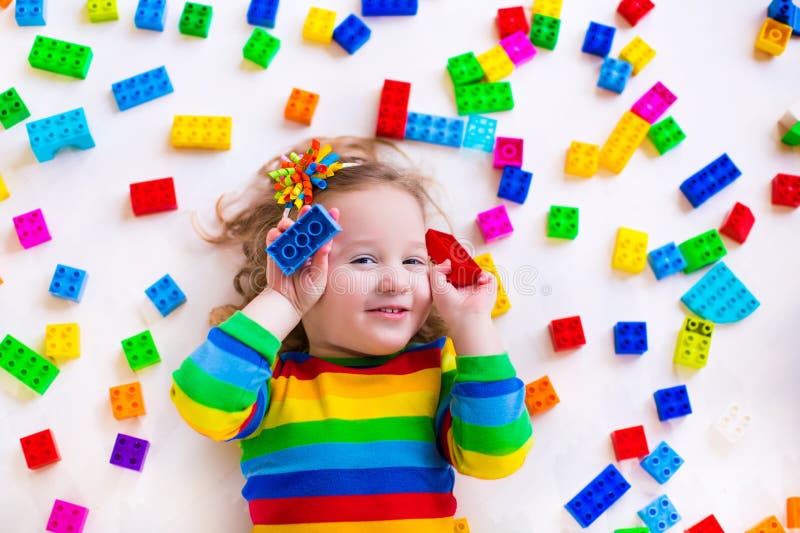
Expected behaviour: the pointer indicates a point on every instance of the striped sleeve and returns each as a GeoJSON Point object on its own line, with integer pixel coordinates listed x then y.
{"type": "Point", "coordinates": [222, 389]}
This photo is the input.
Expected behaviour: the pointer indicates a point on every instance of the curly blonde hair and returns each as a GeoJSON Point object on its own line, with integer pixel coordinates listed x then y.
{"type": "Point", "coordinates": [379, 162]}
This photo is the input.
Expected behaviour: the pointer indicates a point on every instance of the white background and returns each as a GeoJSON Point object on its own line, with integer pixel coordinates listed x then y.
{"type": "Point", "coordinates": [729, 100]}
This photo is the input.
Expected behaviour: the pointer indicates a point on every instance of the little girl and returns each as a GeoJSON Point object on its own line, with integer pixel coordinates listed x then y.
{"type": "Point", "coordinates": [351, 407]}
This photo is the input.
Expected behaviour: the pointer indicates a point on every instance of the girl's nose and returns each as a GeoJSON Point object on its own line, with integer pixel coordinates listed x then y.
{"type": "Point", "coordinates": [392, 280]}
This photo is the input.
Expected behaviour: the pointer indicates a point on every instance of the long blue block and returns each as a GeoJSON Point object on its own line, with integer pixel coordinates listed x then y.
{"type": "Point", "coordinates": [48, 135]}
{"type": "Point", "coordinates": [165, 295]}
{"type": "Point", "coordinates": [303, 238]}
{"type": "Point", "coordinates": [68, 283]}
{"type": "Point", "coordinates": [596, 497]}
{"type": "Point", "coordinates": [377, 8]}
{"type": "Point", "coordinates": [31, 12]}
{"type": "Point", "coordinates": [141, 88]}
{"type": "Point", "coordinates": [709, 180]}
{"type": "Point", "coordinates": [720, 297]}
{"type": "Point", "coordinates": [433, 129]}
{"type": "Point", "coordinates": [262, 13]}
{"type": "Point", "coordinates": [151, 15]}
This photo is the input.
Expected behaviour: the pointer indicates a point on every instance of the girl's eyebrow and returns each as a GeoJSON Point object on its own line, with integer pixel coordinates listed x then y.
{"type": "Point", "coordinates": [413, 244]}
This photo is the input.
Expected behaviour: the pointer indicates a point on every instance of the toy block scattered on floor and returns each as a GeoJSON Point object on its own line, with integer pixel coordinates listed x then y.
{"type": "Point", "coordinates": [434, 130]}
{"type": "Point", "coordinates": [773, 37]}
{"type": "Point", "coordinates": [464, 69]}
{"type": "Point", "coordinates": [62, 341]}
{"type": "Point", "coordinates": [508, 152]}
{"type": "Point", "coordinates": [484, 98]}
{"type": "Point", "coordinates": [660, 514]}
{"type": "Point", "coordinates": [262, 13]}
{"type": "Point", "coordinates": [31, 12]}
{"type": "Point", "coordinates": [464, 270]}
{"type": "Point", "coordinates": [786, 190]}
{"type": "Point", "coordinates": [4, 194]}
{"type": "Point", "coordinates": [301, 106]}
{"type": "Point", "coordinates": [31, 228]}
{"type": "Point", "coordinates": [102, 10]}
{"type": "Point", "coordinates": [567, 333]}
{"type": "Point", "coordinates": [630, 338]}
{"type": "Point", "coordinates": [514, 184]}
{"type": "Point", "coordinates": [550, 8]}
{"type": "Point", "coordinates": [319, 25]}
{"type": "Point", "coordinates": [393, 109]}
{"type": "Point", "coordinates": [634, 10]}
{"type": "Point", "coordinates": [27, 366]}
{"type": "Point", "coordinates": [793, 512]}
{"type": "Point", "coordinates": [540, 396]}
{"type": "Point", "coordinates": [153, 196]}
{"type": "Point", "coordinates": [666, 135]}
{"type": "Point", "coordinates": [771, 524]}
{"type": "Point", "coordinates": [40, 449]}
{"type": "Point", "coordinates": [709, 180]}
{"type": "Point", "coordinates": [494, 224]}
{"type": "Point", "coordinates": [60, 57]}
{"type": "Point", "coordinates": [129, 452]}
{"type": "Point", "coordinates": [461, 525]}
{"type": "Point", "coordinates": [68, 283]}
{"type": "Point", "coordinates": [166, 295]}
{"type": "Point", "coordinates": [614, 74]}
{"type": "Point", "coordinates": [662, 463]}
{"type": "Point", "coordinates": [142, 88]}
{"type": "Point", "coordinates": [600, 494]}
{"type": "Point", "coordinates": [702, 250]}
{"type": "Point", "coordinates": [501, 302]}
{"type": "Point", "coordinates": [495, 63]}
{"type": "Point", "coordinates": [308, 234]}
{"type": "Point", "coordinates": [654, 103]}
{"type": "Point", "coordinates": [12, 109]}
{"type": "Point", "coordinates": [694, 343]}
{"type": "Point", "coordinates": [638, 53]}
{"type": "Point", "coordinates": [49, 135]}
{"type": "Point", "coordinates": [196, 19]}
{"type": "Point", "coordinates": [630, 443]}
{"type": "Point", "coordinates": [126, 400]}
{"type": "Point", "coordinates": [67, 518]}
{"type": "Point", "coordinates": [261, 47]}
{"type": "Point", "coordinates": [707, 525]}
{"type": "Point", "coordinates": [672, 402]}
{"type": "Point", "coordinates": [792, 135]}
{"type": "Point", "coordinates": [544, 31]}
{"type": "Point", "coordinates": [380, 8]}
{"type": "Point", "coordinates": [197, 131]}
{"type": "Point", "coordinates": [562, 222]}
{"type": "Point", "coordinates": [626, 137]}
{"type": "Point", "coordinates": [733, 423]}
{"type": "Point", "coordinates": [583, 159]}
{"type": "Point", "coordinates": [630, 250]}
{"type": "Point", "coordinates": [518, 47]}
{"type": "Point", "coordinates": [140, 351]}
{"type": "Point", "coordinates": [598, 39]}
{"type": "Point", "coordinates": [633, 530]}
{"type": "Point", "coordinates": [510, 20]}
{"type": "Point", "coordinates": [721, 297]}
{"type": "Point", "coordinates": [480, 133]}
{"type": "Point", "coordinates": [351, 34]}
{"type": "Point", "coordinates": [150, 15]}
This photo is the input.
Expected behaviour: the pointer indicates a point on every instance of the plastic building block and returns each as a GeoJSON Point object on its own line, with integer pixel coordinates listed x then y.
{"type": "Point", "coordinates": [598, 39]}
{"type": "Point", "coordinates": [484, 98]}
{"type": "Point", "coordinates": [508, 152]}
{"type": "Point", "coordinates": [518, 47]}
{"type": "Point", "coordinates": [480, 133]}
{"type": "Point", "coordinates": [494, 224]}
{"type": "Point", "coordinates": [662, 463]}
{"type": "Point", "coordinates": [5, 3]}
{"type": "Point", "coordinates": [719, 296]}
{"type": "Point", "coordinates": [630, 250]}
{"type": "Point", "coordinates": [583, 159]}
{"type": "Point", "coordinates": [496, 64]}
{"type": "Point", "coordinates": [633, 530]}
{"type": "Point", "coordinates": [567, 333]}
{"type": "Point", "coordinates": [68, 283]}
{"type": "Point", "coordinates": [154, 196]}
{"type": "Point", "coordinates": [142, 88]}
{"type": "Point", "coordinates": [514, 184]}
{"type": "Point", "coordinates": [262, 13]}
{"type": "Point", "coordinates": [464, 69]}
{"type": "Point", "coordinates": [307, 235]}
{"type": "Point", "coordinates": [301, 106]}
{"type": "Point", "coordinates": [791, 116]}
{"type": "Point", "coordinates": [501, 302]}
{"type": "Point", "coordinates": [786, 190]}
{"type": "Point", "coordinates": [551, 8]}
{"type": "Point", "coordinates": [30, 368]}
{"type": "Point", "coordinates": [61, 57]}
{"type": "Point", "coordinates": [165, 295]}
{"type": "Point", "coordinates": [351, 34]}
{"type": "Point", "coordinates": [544, 31]}
{"type": "Point", "coordinates": [659, 515]}
{"type": "Point", "coordinates": [102, 10]}
{"type": "Point", "coordinates": [393, 109]}
{"type": "Point", "coordinates": [49, 135]}
{"type": "Point", "coordinates": [634, 10]}
{"type": "Point", "coordinates": [654, 102]}
{"type": "Point", "coordinates": [768, 525]}
{"type": "Point", "coordinates": [318, 26]}
{"type": "Point", "coordinates": [782, 11]}
{"type": "Point", "coordinates": [4, 194]}
{"type": "Point", "coordinates": [540, 396]}
{"type": "Point", "coordinates": [707, 525]}
{"type": "Point", "coordinates": [442, 246]}
{"type": "Point", "coordinates": [792, 136]}
{"type": "Point", "coordinates": [638, 53]}
{"type": "Point", "coordinates": [261, 47]}
{"type": "Point", "coordinates": [738, 223]}
{"type": "Point", "coordinates": [630, 338]}
{"type": "Point", "coordinates": [630, 443]}
{"type": "Point", "coordinates": [62, 341]}
{"type": "Point", "coordinates": [31, 12]}
{"type": "Point", "coordinates": [733, 424]}
{"type": "Point", "coordinates": [773, 37]}
{"type": "Point", "coordinates": [67, 518]}
{"type": "Point", "coordinates": [600, 494]}
{"type": "Point", "coordinates": [140, 351]}
{"type": "Point", "coordinates": [40, 449]}
{"type": "Point", "coordinates": [31, 228]}
{"type": "Point", "coordinates": [709, 180]}
{"type": "Point", "coordinates": [694, 342]}
{"type": "Point", "coordinates": [129, 452]}
{"type": "Point", "coordinates": [672, 402]}
{"type": "Point", "coordinates": [461, 525]}
{"type": "Point", "coordinates": [151, 15]}
{"type": "Point", "coordinates": [196, 19]}
{"type": "Point", "coordinates": [511, 20]}
{"type": "Point", "coordinates": [208, 132]}
{"type": "Point", "coordinates": [562, 222]}
{"type": "Point", "coordinates": [377, 8]}
{"type": "Point", "coordinates": [702, 250]}
{"type": "Point", "coordinates": [126, 400]}
{"type": "Point", "coordinates": [793, 512]}
{"type": "Point", "coordinates": [614, 74]}
{"type": "Point", "coordinates": [666, 135]}
{"type": "Point", "coordinates": [626, 137]}
{"type": "Point", "coordinates": [435, 130]}
{"type": "Point", "coordinates": [12, 109]}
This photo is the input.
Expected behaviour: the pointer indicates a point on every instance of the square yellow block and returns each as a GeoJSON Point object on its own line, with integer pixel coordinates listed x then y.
{"type": "Point", "coordinates": [773, 37]}
{"type": "Point", "coordinates": [638, 53]}
{"type": "Point", "coordinates": [630, 250]}
{"type": "Point", "coordinates": [102, 10]}
{"type": "Point", "coordinates": [318, 26]}
{"type": "Point", "coordinates": [582, 159]}
{"type": "Point", "coordinates": [548, 8]}
{"type": "Point", "coordinates": [496, 64]}
{"type": "Point", "coordinates": [628, 134]}
{"type": "Point", "coordinates": [63, 341]}
{"type": "Point", "coordinates": [461, 526]}
{"type": "Point", "coordinates": [4, 194]}
{"type": "Point", "coordinates": [190, 131]}
{"type": "Point", "coordinates": [501, 302]}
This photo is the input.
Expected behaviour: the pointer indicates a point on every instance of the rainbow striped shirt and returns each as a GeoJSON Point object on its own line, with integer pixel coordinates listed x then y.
{"type": "Point", "coordinates": [353, 445]}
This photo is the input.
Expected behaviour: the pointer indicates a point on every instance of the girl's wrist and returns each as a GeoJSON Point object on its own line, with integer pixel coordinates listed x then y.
{"type": "Point", "coordinates": [476, 335]}
{"type": "Point", "coordinates": [274, 312]}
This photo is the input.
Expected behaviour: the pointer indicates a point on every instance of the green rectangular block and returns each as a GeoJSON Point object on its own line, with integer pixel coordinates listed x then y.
{"type": "Point", "coordinates": [261, 47]}
{"type": "Point", "coordinates": [26, 365]}
{"type": "Point", "coordinates": [196, 19]}
{"type": "Point", "coordinates": [141, 351]}
{"type": "Point", "coordinates": [702, 250]}
{"type": "Point", "coordinates": [544, 31]}
{"type": "Point", "coordinates": [562, 222]}
{"type": "Point", "coordinates": [12, 109]}
{"type": "Point", "coordinates": [633, 530]}
{"type": "Point", "coordinates": [480, 98]}
{"type": "Point", "coordinates": [666, 135]}
{"type": "Point", "coordinates": [61, 57]}
{"type": "Point", "coordinates": [464, 69]}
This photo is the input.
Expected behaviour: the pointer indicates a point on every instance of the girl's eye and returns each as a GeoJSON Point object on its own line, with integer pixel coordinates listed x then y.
{"type": "Point", "coordinates": [416, 260]}
{"type": "Point", "coordinates": [362, 260]}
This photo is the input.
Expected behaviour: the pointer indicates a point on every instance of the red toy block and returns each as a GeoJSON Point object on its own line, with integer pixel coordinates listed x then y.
{"type": "Point", "coordinates": [707, 525]}
{"type": "Point", "coordinates": [634, 10]}
{"type": "Point", "coordinates": [153, 196]}
{"type": "Point", "coordinates": [567, 333]}
{"type": "Point", "coordinates": [40, 449]}
{"type": "Point", "coordinates": [738, 224]}
{"type": "Point", "coordinates": [393, 110]}
{"type": "Point", "coordinates": [786, 190]}
{"type": "Point", "coordinates": [442, 246]}
{"type": "Point", "coordinates": [630, 443]}
{"type": "Point", "coordinates": [510, 20]}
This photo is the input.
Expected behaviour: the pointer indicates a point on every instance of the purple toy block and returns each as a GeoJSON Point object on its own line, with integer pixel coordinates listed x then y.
{"type": "Point", "coordinates": [129, 452]}
{"type": "Point", "coordinates": [519, 48]}
{"type": "Point", "coordinates": [508, 152]}
{"type": "Point", "coordinates": [31, 228]}
{"type": "Point", "coordinates": [67, 518]}
{"type": "Point", "coordinates": [654, 103]}
{"type": "Point", "coordinates": [494, 223]}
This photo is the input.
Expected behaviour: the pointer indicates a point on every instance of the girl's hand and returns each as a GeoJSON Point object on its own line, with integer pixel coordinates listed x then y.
{"type": "Point", "coordinates": [460, 305]}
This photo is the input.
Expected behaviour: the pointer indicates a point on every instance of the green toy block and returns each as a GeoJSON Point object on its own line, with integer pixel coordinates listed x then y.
{"type": "Point", "coordinates": [544, 31]}
{"type": "Point", "coordinates": [562, 222]}
{"type": "Point", "coordinates": [792, 137]}
{"type": "Point", "coordinates": [61, 57]}
{"type": "Point", "coordinates": [12, 109]}
{"type": "Point", "coordinates": [479, 98]}
{"type": "Point", "coordinates": [196, 19]}
{"type": "Point", "coordinates": [102, 10]}
{"type": "Point", "coordinates": [29, 367]}
{"type": "Point", "coordinates": [633, 530]}
{"type": "Point", "coordinates": [261, 47]}
{"type": "Point", "coordinates": [140, 351]}
{"type": "Point", "coordinates": [464, 69]}
{"type": "Point", "coordinates": [702, 250]}
{"type": "Point", "coordinates": [666, 135]}
{"type": "Point", "coordinates": [694, 342]}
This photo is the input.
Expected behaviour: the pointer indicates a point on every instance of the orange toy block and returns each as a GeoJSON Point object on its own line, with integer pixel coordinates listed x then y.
{"type": "Point", "coordinates": [126, 400]}
{"type": "Point", "coordinates": [768, 525]}
{"type": "Point", "coordinates": [301, 106]}
{"type": "Point", "coordinates": [793, 512]}
{"type": "Point", "coordinates": [5, 3]}
{"type": "Point", "coordinates": [540, 396]}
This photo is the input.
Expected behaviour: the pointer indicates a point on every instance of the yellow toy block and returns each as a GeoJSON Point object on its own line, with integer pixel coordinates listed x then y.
{"type": "Point", "coordinates": [694, 341]}
{"type": "Point", "coordinates": [4, 194]}
{"type": "Point", "coordinates": [773, 37]}
{"type": "Point", "coordinates": [628, 134]}
{"type": "Point", "coordinates": [549, 8]}
{"type": "Point", "coordinates": [496, 64]}
{"type": "Point", "coordinates": [190, 131]}
{"type": "Point", "coordinates": [630, 251]}
{"type": "Point", "coordinates": [461, 526]}
{"type": "Point", "coordinates": [768, 525]}
{"type": "Point", "coordinates": [638, 53]}
{"type": "Point", "coordinates": [582, 159]}
{"type": "Point", "coordinates": [63, 341]}
{"type": "Point", "coordinates": [102, 10]}
{"type": "Point", "coordinates": [318, 26]}
{"type": "Point", "coordinates": [501, 302]}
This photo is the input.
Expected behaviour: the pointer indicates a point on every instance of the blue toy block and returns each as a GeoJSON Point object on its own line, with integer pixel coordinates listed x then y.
{"type": "Point", "coordinates": [666, 260]}
{"type": "Point", "coordinates": [786, 12]}
{"type": "Point", "coordinates": [630, 337]}
{"type": "Point", "coordinates": [303, 238]}
{"type": "Point", "coordinates": [433, 129]}
{"type": "Point", "coordinates": [262, 13]}
{"type": "Point", "coordinates": [377, 8]}
{"type": "Point", "coordinates": [614, 74]}
{"type": "Point", "coordinates": [150, 15]}
{"type": "Point", "coordinates": [141, 88]}
{"type": "Point", "coordinates": [672, 402]}
{"type": "Point", "coordinates": [514, 184]}
{"type": "Point", "coordinates": [659, 515]}
{"type": "Point", "coordinates": [31, 12]}
{"type": "Point", "coordinates": [662, 463]}
{"type": "Point", "coordinates": [599, 39]}
{"type": "Point", "coordinates": [709, 180]}
{"type": "Point", "coordinates": [600, 494]}
{"type": "Point", "coordinates": [165, 295]}
{"type": "Point", "coordinates": [720, 297]}
{"type": "Point", "coordinates": [68, 283]}
{"type": "Point", "coordinates": [351, 34]}
{"type": "Point", "coordinates": [480, 133]}
{"type": "Point", "coordinates": [48, 135]}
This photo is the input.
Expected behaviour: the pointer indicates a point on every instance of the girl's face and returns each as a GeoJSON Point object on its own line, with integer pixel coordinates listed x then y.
{"type": "Point", "coordinates": [379, 260]}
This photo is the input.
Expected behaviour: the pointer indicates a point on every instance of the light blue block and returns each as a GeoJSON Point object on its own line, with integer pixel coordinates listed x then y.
{"type": "Point", "coordinates": [662, 463]}
{"type": "Point", "coordinates": [141, 88]}
{"type": "Point", "coordinates": [303, 238]}
{"type": "Point", "coordinates": [31, 12]}
{"type": "Point", "coordinates": [165, 295]}
{"type": "Point", "coordinates": [68, 283]}
{"type": "Point", "coordinates": [659, 515]}
{"type": "Point", "coordinates": [480, 133]}
{"type": "Point", "coordinates": [48, 135]}
{"type": "Point", "coordinates": [614, 74]}
{"type": "Point", "coordinates": [720, 297]}
{"type": "Point", "coordinates": [666, 260]}
{"type": "Point", "coordinates": [435, 130]}
{"type": "Point", "coordinates": [151, 15]}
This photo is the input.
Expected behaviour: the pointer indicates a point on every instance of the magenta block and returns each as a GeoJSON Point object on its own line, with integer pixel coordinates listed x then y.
{"type": "Point", "coordinates": [519, 48]}
{"type": "Point", "coordinates": [507, 152]}
{"type": "Point", "coordinates": [654, 103]}
{"type": "Point", "coordinates": [494, 223]}
{"type": "Point", "coordinates": [31, 228]}
{"type": "Point", "coordinates": [67, 518]}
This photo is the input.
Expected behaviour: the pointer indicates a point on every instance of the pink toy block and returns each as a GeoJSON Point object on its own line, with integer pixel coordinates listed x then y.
{"type": "Point", "coordinates": [519, 48]}
{"type": "Point", "coordinates": [67, 518]}
{"type": "Point", "coordinates": [508, 152]}
{"type": "Point", "coordinates": [654, 102]}
{"type": "Point", "coordinates": [494, 223]}
{"type": "Point", "coordinates": [31, 228]}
